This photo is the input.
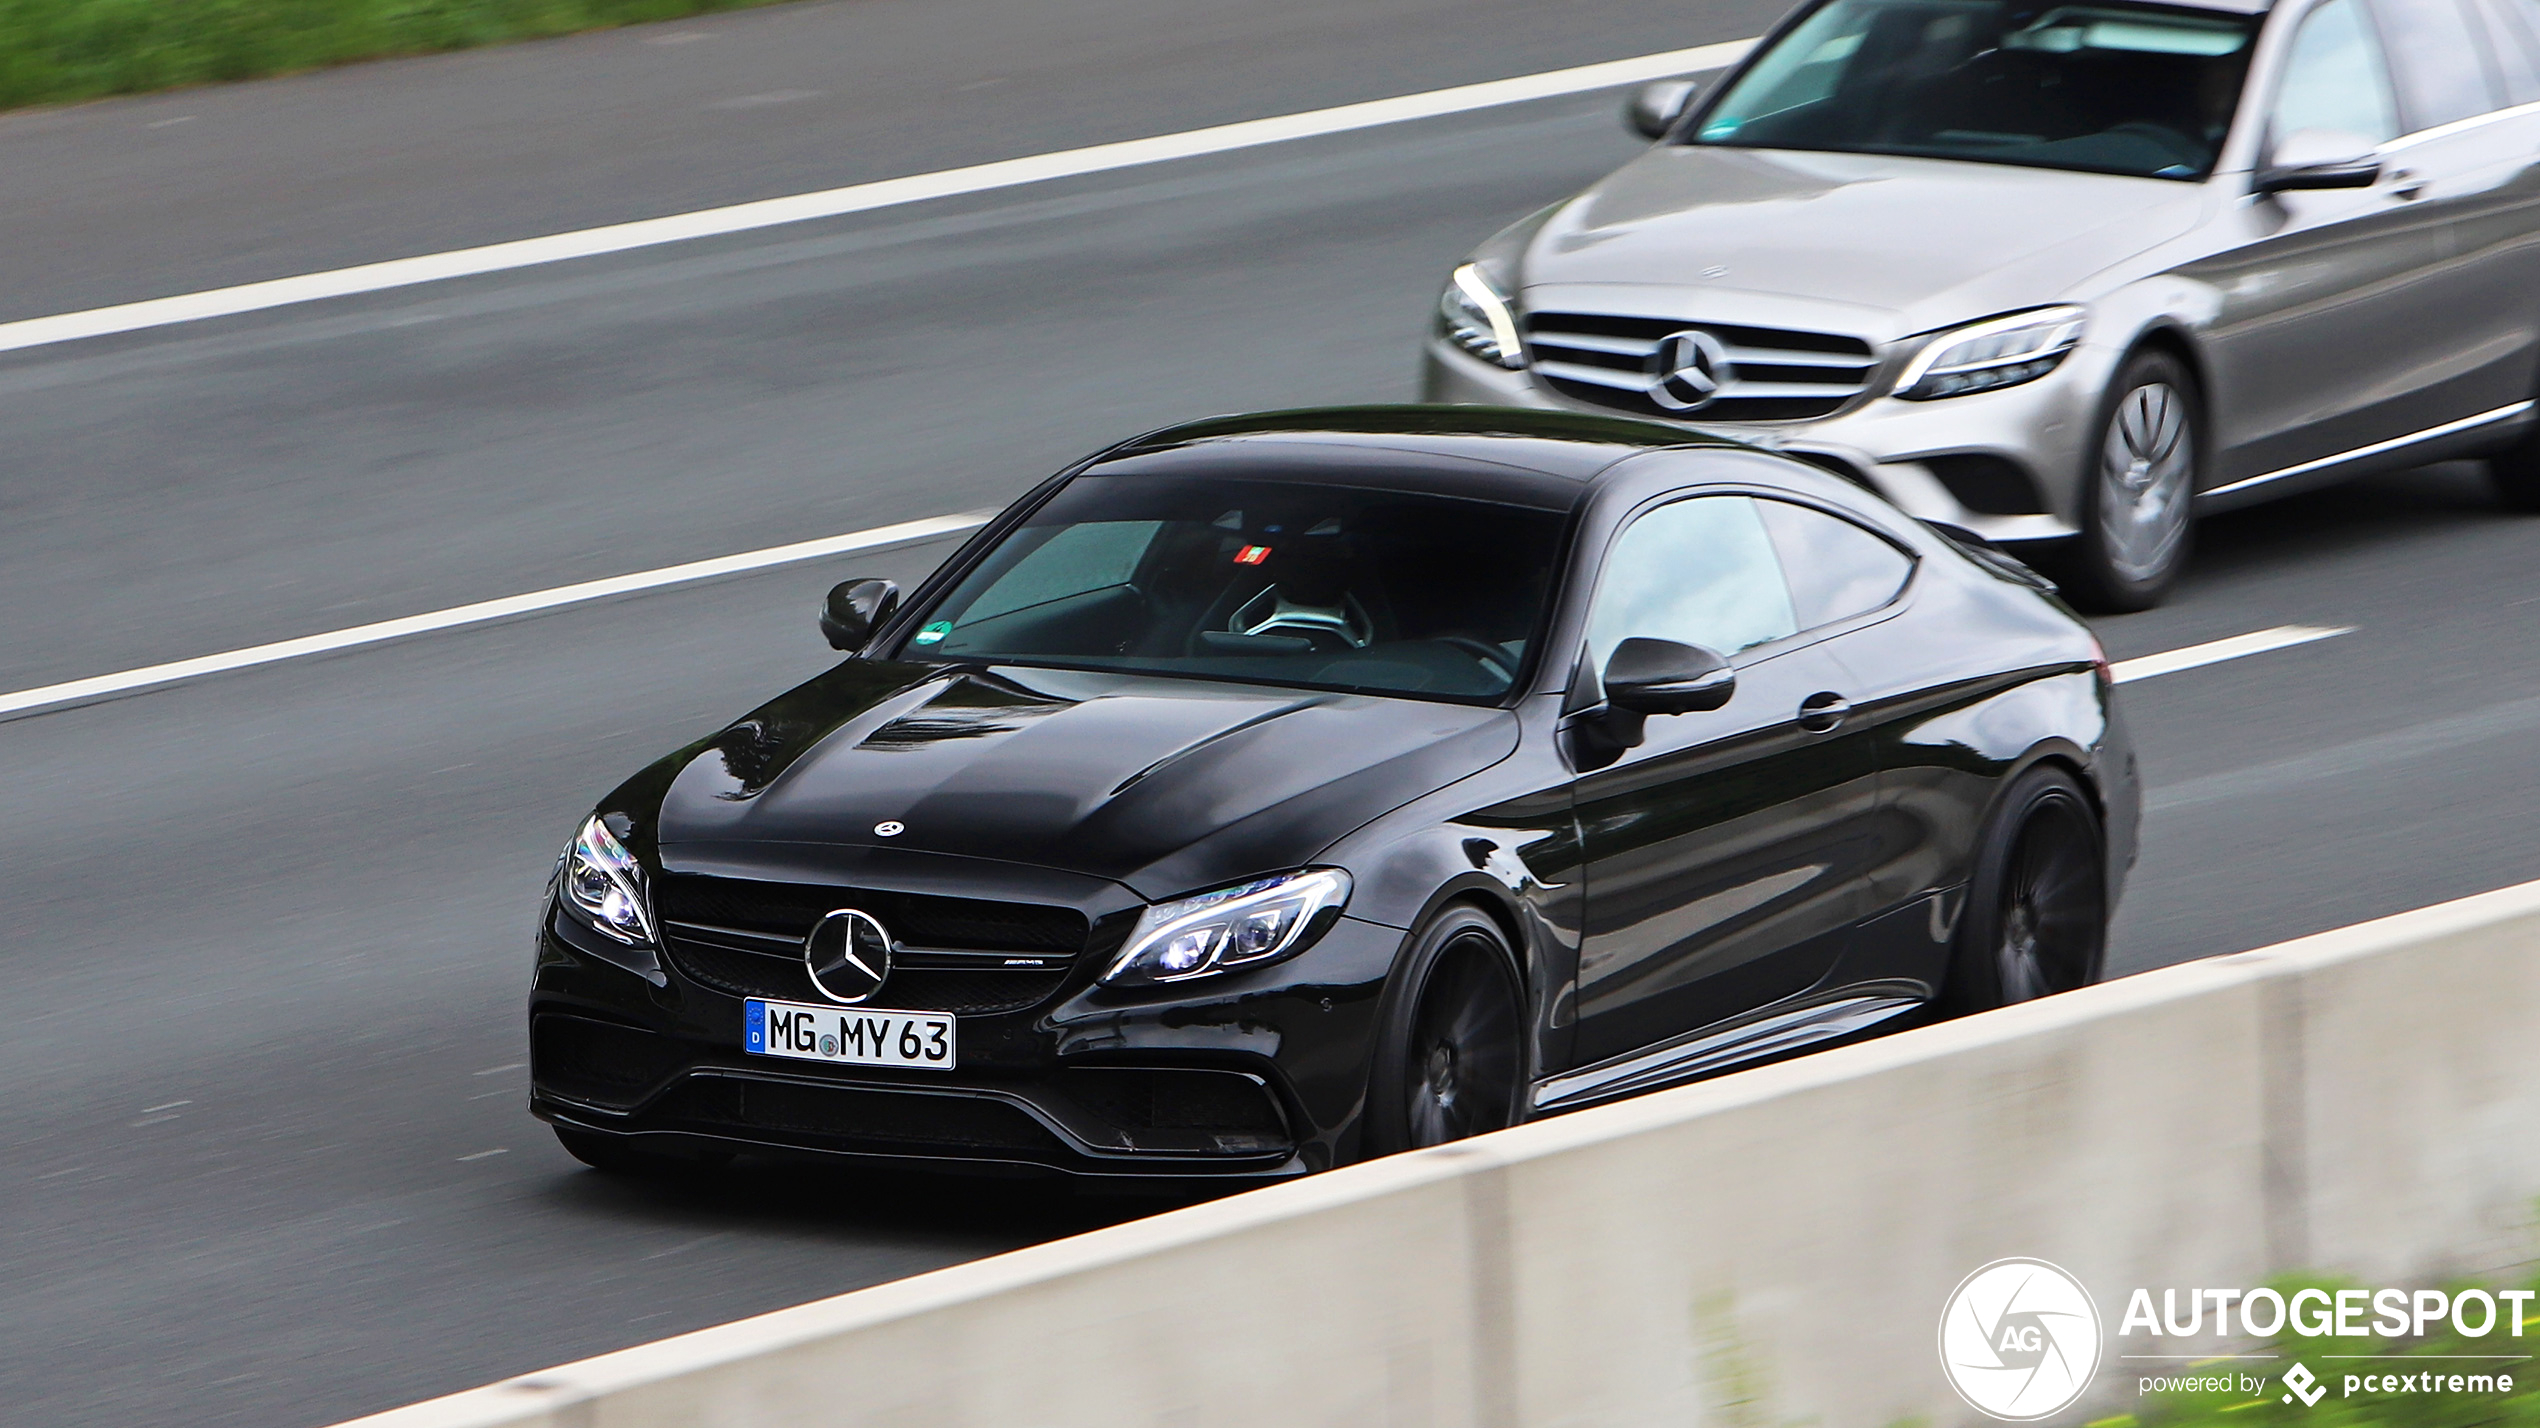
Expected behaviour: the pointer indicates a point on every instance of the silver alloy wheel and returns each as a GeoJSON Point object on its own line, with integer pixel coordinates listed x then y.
{"type": "Point", "coordinates": [2144, 465]}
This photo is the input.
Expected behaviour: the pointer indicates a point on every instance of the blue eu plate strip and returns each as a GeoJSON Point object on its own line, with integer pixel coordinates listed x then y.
{"type": "Point", "coordinates": [754, 1026]}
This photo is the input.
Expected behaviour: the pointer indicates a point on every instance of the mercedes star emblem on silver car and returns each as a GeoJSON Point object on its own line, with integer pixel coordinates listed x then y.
{"type": "Point", "coordinates": [849, 955]}
{"type": "Point", "coordinates": [1687, 370]}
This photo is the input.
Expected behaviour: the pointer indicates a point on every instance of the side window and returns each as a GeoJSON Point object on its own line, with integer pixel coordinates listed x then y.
{"type": "Point", "coordinates": [2439, 59]}
{"type": "Point", "coordinates": [1834, 569]}
{"type": "Point", "coordinates": [1094, 556]}
{"type": "Point", "coordinates": [2517, 27]}
{"type": "Point", "coordinates": [2334, 78]}
{"type": "Point", "coordinates": [1699, 572]}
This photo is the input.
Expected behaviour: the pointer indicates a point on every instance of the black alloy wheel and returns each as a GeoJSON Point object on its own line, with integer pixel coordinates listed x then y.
{"type": "Point", "coordinates": [1451, 1062]}
{"type": "Point", "coordinates": [2036, 917]}
{"type": "Point", "coordinates": [621, 1155]}
{"type": "Point", "coordinates": [2137, 518]}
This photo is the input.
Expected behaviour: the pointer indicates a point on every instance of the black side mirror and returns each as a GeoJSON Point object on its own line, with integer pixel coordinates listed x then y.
{"type": "Point", "coordinates": [2316, 159]}
{"type": "Point", "coordinates": [1655, 107]}
{"type": "Point", "coordinates": [855, 609]}
{"type": "Point", "coordinates": [1645, 676]}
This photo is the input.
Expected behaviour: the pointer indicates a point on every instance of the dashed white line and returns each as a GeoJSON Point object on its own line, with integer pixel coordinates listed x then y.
{"type": "Point", "coordinates": [855, 198]}
{"type": "Point", "coordinates": [2257, 642]}
{"type": "Point", "coordinates": [100, 686]}
{"type": "Point", "coordinates": [486, 1154]}
{"type": "Point", "coordinates": [905, 533]}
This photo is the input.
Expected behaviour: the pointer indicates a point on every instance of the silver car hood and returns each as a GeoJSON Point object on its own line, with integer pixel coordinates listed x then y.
{"type": "Point", "coordinates": [1884, 246]}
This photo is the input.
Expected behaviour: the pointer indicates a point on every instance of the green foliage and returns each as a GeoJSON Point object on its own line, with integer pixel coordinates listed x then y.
{"type": "Point", "coordinates": [2519, 1409]}
{"type": "Point", "coordinates": [53, 51]}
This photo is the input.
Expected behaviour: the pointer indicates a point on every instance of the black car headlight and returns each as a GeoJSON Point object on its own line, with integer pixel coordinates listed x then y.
{"type": "Point", "coordinates": [1230, 928]}
{"type": "Point", "coordinates": [2002, 352]}
{"type": "Point", "coordinates": [601, 880]}
{"type": "Point", "coordinates": [1473, 315]}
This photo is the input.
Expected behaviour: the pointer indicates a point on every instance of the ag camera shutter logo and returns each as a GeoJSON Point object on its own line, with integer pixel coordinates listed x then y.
{"type": "Point", "coordinates": [2019, 1340]}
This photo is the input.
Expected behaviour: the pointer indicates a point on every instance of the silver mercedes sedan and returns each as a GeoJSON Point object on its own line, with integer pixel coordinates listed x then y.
{"type": "Point", "coordinates": [2069, 274]}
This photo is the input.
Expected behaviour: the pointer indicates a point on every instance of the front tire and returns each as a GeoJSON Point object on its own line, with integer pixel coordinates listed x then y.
{"type": "Point", "coordinates": [2137, 521]}
{"type": "Point", "coordinates": [1451, 1060]}
{"type": "Point", "coordinates": [2036, 918]}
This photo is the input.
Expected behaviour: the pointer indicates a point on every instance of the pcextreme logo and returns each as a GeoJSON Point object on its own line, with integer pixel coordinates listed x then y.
{"type": "Point", "coordinates": [2019, 1340]}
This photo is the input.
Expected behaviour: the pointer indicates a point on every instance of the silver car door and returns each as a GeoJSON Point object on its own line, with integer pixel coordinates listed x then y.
{"type": "Point", "coordinates": [2475, 162]}
{"type": "Point", "coordinates": [2317, 332]}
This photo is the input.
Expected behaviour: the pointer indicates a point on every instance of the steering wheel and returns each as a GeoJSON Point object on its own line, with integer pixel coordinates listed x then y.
{"type": "Point", "coordinates": [1490, 655]}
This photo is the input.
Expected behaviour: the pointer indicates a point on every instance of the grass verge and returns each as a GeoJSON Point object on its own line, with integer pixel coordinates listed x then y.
{"type": "Point", "coordinates": [57, 51]}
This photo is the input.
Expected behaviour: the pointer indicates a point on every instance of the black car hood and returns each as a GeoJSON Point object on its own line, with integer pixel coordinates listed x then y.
{"type": "Point", "coordinates": [1165, 785]}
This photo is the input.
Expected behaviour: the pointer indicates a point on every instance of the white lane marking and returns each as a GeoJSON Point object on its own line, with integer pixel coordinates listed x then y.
{"type": "Point", "coordinates": [486, 1154]}
{"type": "Point", "coordinates": [2282, 637]}
{"type": "Point", "coordinates": [855, 198]}
{"type": "Point", "coordinates": [499, 1070]}
{"type": "Point", "coordinates": [905, 533]}
{"type": "Point", "coordinates": [170, 1106]}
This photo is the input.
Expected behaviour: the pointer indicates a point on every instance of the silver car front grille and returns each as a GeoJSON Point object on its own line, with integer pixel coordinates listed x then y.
{"type": "Point", "coordinates": [1697, 371]}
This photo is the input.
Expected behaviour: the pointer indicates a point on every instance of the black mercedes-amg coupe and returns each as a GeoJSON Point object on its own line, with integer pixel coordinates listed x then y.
{"type": "Point", "coordinates": [1278, 791]}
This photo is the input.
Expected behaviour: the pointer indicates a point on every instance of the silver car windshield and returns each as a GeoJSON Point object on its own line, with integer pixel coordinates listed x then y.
{"type": "Point", "coordinates": [2124, 89]}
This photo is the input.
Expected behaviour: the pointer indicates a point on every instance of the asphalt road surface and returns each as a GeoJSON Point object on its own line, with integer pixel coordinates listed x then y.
{"type": "Point", "coordinates": [263, 1157]}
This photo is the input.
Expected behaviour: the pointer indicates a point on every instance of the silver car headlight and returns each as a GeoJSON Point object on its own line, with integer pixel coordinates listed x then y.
{"type": "Point", "coordinates": [601, 880]}
{"type": "Point", "coordinates": [1245, 925]}
{"type": "Point", "coordinates": [2002, 352]}
{"type": "Point", "coordinates": [1474, 315]}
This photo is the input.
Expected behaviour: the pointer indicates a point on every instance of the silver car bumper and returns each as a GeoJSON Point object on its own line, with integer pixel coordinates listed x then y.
{"type": "Point", "coordinates": [1903, 450]}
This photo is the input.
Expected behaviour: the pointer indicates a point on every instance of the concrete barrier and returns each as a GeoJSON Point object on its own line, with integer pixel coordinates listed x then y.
{"type": "Point", "coordinates": [1768, 1248]}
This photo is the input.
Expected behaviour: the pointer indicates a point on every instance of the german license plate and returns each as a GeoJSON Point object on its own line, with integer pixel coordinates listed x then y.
{"type": "Point", "coordinates": [847, 1036]}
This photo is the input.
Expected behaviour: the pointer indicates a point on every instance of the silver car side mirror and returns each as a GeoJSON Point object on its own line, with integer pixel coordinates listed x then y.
{"type": "Point", "coordinates": [2316, 159]}
{"type": "Point", "coordinates": [1655, 107]}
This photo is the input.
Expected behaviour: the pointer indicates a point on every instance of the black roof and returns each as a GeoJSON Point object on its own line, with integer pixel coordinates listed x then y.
{"type": "Point", "coordinates": [1512, 454]}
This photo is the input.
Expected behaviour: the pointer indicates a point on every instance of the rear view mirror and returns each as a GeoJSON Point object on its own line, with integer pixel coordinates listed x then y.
{"type": "Point", "coordinates": [855, 609]}
{"type": "Point", "coordinates": [1645, 676]}
{"type": "Point", "coordinates": [1655, 107]}
{"type": "Point", "coordinates": [2316, 159]}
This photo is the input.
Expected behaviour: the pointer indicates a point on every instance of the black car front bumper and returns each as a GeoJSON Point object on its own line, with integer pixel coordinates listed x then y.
{"type": "Point", "coordinates": [1254, 1075]}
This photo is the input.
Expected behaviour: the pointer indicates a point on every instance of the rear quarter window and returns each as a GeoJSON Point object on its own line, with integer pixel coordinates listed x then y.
{"type": "Point", "coordinates": [1835, 569]}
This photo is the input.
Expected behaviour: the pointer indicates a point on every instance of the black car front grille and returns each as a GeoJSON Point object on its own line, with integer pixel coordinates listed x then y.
{"type": "Point", "coordinates": [1772, 374]}
{"type": "Point", "coordinates": [918, 919]}
{"type": "Point", "coordinates": [956, 955]}
{"type": "Point", "coordinates": [864, 1119]}
{"type": "Point", "coordinates": [599, 1063]}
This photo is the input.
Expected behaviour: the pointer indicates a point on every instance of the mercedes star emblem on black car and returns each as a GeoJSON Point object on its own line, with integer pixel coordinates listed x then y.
{"type": "Point", "coordinates": [849, 955]}
{"type": "Point", "coordinates": [1284, 790]}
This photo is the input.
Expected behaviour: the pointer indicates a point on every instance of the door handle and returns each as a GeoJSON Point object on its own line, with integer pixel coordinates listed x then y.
{"type": "Point", "coordinates": [2406, 184]}
{"type": "Point", "coordinates": [1823, 713]}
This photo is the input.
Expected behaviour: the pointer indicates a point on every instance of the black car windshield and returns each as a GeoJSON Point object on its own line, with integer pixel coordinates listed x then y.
{"type": "Point", "coordinates": [2124, 89]}
{"type": "Point", "coordinates": [1274, 582]}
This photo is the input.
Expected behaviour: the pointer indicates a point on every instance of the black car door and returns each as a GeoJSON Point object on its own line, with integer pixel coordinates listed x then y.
{"type": "Point", "coordinates": [1726, 855]}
